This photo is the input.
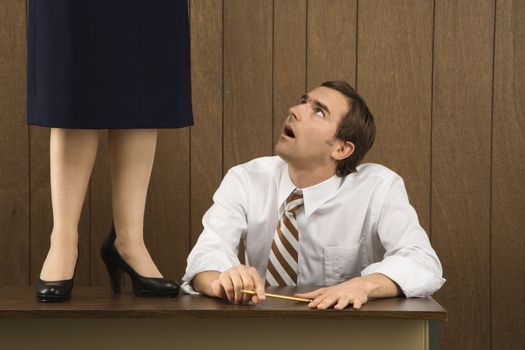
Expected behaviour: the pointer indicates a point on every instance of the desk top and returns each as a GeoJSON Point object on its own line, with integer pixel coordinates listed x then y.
{"type": "Point", "coordinates": [96, 302]}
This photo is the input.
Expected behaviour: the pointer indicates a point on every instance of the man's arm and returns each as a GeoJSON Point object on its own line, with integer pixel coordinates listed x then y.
{"type": "Point", "coordinates": [355, 291]}
{"type": "Point", "coordinates": [202, 282]}
{"type": "Point", "coordinates": [224, 224]}
{"type": "Point", "coordinates": [409, 259]}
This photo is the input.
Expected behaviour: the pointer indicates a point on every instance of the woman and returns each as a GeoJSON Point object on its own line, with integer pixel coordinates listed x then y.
{"type": "Point", "coordinates": [120, 67]}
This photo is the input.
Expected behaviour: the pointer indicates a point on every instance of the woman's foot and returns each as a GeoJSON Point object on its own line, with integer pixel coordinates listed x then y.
{"type": "Point", "coordinates": [61, 258]}
{"type": "Point", "coordinates": [143, 285]}
{"type": "Point", "coordinates": [135, 253]}
{"type": "Point", "coordinates": [56, 278]}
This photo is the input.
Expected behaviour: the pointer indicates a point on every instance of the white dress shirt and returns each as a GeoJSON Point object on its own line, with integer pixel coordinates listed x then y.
{"type": "Point", "coordinates": [356, 225]}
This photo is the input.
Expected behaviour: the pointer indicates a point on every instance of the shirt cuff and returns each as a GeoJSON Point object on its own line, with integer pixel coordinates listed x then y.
{"type": "Point", "coordinates": [188, 289]}
{"type": "Point", "coordinates": [413, 279]}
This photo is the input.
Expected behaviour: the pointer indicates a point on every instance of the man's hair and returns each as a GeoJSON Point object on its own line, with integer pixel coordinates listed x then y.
{"type": "Point", "coordinates": [357, 126]}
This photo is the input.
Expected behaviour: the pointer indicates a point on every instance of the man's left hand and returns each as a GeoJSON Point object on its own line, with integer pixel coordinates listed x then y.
{"type": "Point", "coordinates": [354, 291]}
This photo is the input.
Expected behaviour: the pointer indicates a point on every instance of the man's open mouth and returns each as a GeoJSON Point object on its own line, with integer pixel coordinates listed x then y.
{"type": "Point", "coordinates": [288, 131]}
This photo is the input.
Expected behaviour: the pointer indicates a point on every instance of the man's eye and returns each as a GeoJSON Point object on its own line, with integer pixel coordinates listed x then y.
{"type": "Point", "coordinates": [303, 102]}
{"type": "Point", "coordinates": [319, 112]}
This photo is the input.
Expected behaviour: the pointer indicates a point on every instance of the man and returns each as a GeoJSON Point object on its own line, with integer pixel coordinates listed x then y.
{"type": "Point", "coordinates": [312, 216]}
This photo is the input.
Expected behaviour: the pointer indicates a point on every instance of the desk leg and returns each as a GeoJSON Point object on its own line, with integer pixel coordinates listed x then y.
{"type": "Point", "coordinates": [435, 335]}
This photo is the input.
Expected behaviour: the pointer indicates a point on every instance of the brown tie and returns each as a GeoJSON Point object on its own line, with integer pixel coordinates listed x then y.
{"type": "Point", "coordinates": [282, 266]}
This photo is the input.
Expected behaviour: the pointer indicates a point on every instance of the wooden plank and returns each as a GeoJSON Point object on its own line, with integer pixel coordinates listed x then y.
{"type": "Point", "coordinates": [461, 132]}
{"type": "Point", "coordinates": [247, 73]}
{"type": "Point", "coordinates": [167, 219]}
{"type": "Point", "coordinates": [395, 78]}
{"type": "Point", "coordinates": [331, 41]}
{"type": "Point", "coordinates": [101, 216]}
{"type": "Point", "coordinates": [289, 55]}
{"type": "Point", "coordinates": [508, 178]}
{"type": "Point", "coordinates": [206, 135]}
{"type": "Point", "coordinates": [41, 211]}
{"type": "Point", "coordinates": [14, 168]}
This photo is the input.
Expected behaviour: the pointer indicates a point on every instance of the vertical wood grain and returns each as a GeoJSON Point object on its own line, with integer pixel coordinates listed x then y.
{"type": "Point", "coordinates": [248, 87]}
{"type": "Point", "coordinates": [14, 161]}
{"type": "Point", "coordinates": [206, 135]}
{"type": "Point", "coordinates": [289, 55]}
{"type": "Point", "coordinates": [461, 146]}
{"type": "Point", "coordinates": [331, 41]}
{"type": "Point", "coordinates": [508, 178]}
{"type": "Point", "coordinates": [101, 214]}
{"type": "Point", "coordinates": [41, 211]}
{"type": "Point", "coordinates": [395, 78]}
{"type": "Point", "coordinates": [166, 220]}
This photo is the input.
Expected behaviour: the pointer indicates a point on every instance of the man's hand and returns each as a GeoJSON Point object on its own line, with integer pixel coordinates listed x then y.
{"type": "Point", "coordinates": [355, 291]}
{"type": "Point", "coordinates": [228, 284]}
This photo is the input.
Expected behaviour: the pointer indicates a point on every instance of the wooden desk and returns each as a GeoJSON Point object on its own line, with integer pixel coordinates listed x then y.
{"type": "Point", "coordinates": [94, 319]}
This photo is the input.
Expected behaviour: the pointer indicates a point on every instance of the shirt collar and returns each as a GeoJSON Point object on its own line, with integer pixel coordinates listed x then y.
{"type": "Point", "coordinates": [314, 196]}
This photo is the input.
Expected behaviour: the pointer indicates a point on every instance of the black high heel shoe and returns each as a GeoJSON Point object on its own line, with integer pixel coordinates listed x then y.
{"type": "Point", "coordinates": [142, 286]}
{"type": "Point", "coordinates": [53, 291]}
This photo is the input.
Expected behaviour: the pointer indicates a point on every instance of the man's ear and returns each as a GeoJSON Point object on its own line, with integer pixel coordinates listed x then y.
{"type": "Point", "coordinates": [343, 150]}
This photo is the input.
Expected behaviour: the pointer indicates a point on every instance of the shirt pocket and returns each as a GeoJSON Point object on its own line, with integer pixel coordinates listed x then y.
{"type": "Point", "coordinates": [341, 264]}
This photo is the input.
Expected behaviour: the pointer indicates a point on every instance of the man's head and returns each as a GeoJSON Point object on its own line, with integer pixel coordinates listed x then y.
{"type": "Point", "coordinates": [331, 127]}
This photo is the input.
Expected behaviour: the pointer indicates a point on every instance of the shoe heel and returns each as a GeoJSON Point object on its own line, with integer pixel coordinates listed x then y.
{"type": "Point", "coordinates": [115, 274]}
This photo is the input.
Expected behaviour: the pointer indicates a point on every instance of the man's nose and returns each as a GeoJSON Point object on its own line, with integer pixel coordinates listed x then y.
{"type": "Point", "coordinates": [294, 112]}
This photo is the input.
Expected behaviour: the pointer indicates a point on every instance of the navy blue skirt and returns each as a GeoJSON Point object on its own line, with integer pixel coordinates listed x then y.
{"type": "Point", "coordinates": [107, 64]}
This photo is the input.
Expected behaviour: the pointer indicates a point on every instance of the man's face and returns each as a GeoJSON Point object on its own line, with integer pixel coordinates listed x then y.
{"type": "Point", "coordinates": [307, 140]}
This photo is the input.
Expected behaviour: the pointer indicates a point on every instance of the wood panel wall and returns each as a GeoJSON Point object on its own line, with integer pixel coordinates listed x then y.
{"type": "Point", "coordinates": [445, 80]}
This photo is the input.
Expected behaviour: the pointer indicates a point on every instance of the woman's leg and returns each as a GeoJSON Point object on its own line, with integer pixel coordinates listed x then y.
{"type": "Point", "coordinates": [72, 155]}
{"type": "Point", "coordinates": [131, 155]}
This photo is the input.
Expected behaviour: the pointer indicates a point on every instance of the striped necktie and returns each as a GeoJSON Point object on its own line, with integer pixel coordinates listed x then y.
{"type": "Point", "coordinates": [282, 266]}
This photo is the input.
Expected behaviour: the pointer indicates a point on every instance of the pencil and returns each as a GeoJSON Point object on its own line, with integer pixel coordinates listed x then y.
{"type": "Point", "coordinates": [279, 296]}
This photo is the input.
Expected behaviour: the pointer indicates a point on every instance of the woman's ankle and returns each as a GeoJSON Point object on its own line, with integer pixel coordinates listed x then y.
{"type": "Point", "coordinates": [64, 238]}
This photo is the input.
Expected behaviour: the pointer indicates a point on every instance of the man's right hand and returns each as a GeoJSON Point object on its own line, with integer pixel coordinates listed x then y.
{"type": "Point", "coordinates": [228, 284]}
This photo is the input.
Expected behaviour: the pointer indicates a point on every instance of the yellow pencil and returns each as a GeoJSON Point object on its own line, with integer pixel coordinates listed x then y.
{"type": "Point", "coordinates": [279, 296]}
